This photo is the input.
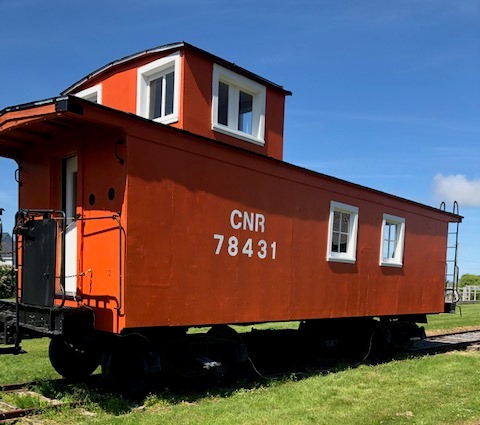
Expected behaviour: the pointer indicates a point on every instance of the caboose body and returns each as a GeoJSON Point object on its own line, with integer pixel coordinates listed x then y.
{"type": "Point", "coordinates": [159, 201]}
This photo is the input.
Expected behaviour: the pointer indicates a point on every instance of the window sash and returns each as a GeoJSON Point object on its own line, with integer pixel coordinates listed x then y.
{"type": "Point", "coordinates": [342, 233]}
{"type": "Point", "coordinates": [392, 241]}
{"type": "Point", "coordinates": [245, 112]}
{"type": "Point", "coordinates": [238, 106]}
{"type": "Point", "coordinates": [158, 89]}
{"type": "Point", "coordinates": [223, 98]}
{"type": "Point", "coordinates": [92, 94]}
{"type": "Point", "coordinates": [161, 89]}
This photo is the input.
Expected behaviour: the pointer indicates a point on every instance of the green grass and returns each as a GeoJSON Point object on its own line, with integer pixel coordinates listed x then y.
{"type": "Point", "coordinates": [23, 401]}
{"type": "Point", "coordinates": [34, 365]}
{"type": "Point", "coordinates": [440, 389]}
{"type": "Point", "coordinates": [466, 317]}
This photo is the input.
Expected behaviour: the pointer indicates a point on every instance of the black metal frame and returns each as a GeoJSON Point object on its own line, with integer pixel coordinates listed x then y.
{"type": "Point", "coordinates": [18, 317]}
{"type": "Point", "coordinates": [21, 217]}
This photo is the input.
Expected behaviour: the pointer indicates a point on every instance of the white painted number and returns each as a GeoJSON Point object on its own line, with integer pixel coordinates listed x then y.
{"type": "Point", "coordinates": [261, 248]}
{"type": "Point", "coordinates": [220, 239]}
{"type": "Point", "coordinates": [232, 246]}
{"type": "Point", "coordinates": [274, 250]}
{"type": "Point", "coordinates": [248, 221]}
{"type": "Point", "coordinates": [247, 248]}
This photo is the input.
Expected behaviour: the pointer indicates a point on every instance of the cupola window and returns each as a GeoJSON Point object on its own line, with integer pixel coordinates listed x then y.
{"type": "Point", "coordinates": [93, 94]}
{"type": "Point", "coordinates": [158, 89]}
{"type": "Point", "coordinates": [161, 95]}
{"type": "Point", "coordinates": [238, 106]}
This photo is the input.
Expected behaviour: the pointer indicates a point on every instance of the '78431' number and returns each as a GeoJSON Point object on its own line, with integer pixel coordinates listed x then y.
{"type": "Point", "coordinates": [262, 249]}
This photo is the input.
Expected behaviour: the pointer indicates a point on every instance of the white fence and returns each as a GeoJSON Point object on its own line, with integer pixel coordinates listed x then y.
{"type": "Point", "coordinates": [470, 293]}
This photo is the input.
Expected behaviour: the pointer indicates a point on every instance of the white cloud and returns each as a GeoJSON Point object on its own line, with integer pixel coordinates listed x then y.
{"type": "Point", "coordinates": [457, 188]}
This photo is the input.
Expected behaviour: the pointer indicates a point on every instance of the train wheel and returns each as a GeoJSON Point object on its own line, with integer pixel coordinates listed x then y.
{"type": "Point", "coordinates": [226, 347]}
{"type": "Point", "coordinates": [400, 336]}
{"type": "Point", "coordinates": [124, 364]}
{"type": "Point", "coordinates": [73, 359]}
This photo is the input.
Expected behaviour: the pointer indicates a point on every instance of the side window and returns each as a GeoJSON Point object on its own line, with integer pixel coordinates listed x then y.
{"type": "Point", "coordinates": [93, 94]}
{"type": "Point", "coordinates": [342, 233]}
{"type": "Point", "coordinates": [158, 89]}
{"type": "Point", "coordinates": [238, 106]}
{"type": "Point", "coordinates": [392, 242]}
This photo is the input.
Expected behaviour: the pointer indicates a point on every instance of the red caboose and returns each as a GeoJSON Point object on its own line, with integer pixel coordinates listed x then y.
{"type": "Point", "coordinates": [153, 198]}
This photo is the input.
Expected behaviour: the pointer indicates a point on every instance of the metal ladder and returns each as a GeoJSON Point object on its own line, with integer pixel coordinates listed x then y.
{"type": "Point", "coordinates": [451, 266]}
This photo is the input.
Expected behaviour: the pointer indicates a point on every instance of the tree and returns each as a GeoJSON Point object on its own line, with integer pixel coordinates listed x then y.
{"type": "Point", "coordinates": [469, 279]}
{"type": "Point", "coordinates": [7, 285]}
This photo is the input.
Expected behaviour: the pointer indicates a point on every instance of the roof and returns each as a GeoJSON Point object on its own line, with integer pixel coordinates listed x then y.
{"type": "Point", "coordinates": [174, 46]}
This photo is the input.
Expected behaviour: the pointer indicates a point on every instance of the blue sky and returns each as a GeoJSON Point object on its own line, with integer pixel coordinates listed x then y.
{"type": "Point", "coordinates": [385, 93]}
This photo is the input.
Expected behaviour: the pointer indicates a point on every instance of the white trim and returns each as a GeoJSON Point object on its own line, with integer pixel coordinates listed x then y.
{"type": "Point", "coordinates": [236, 83]}
{"type": "Point", "coordinates": [87, 94]}
{"type": "Point", "coordinates": [351, 255]}
{"type": "Point", "coordinates": [397, 259]}
{"type": "Point", "coordinates": [71, 167]}
{"type": "Point", "coordinates": [149, 72]}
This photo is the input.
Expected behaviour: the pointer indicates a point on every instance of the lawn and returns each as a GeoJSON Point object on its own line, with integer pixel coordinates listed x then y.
{"type": "Point", "coordinates": [440, 389]}
{"type": "Point", "coordinates": [466, 317]}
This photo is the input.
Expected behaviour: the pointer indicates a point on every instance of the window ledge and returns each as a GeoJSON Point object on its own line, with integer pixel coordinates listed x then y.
{"type": "Point", "coordinates": [169, 119]}
{"type": "Point", "coordinates": [238, 134]}
{"type": "Point", "coordinates": [391, 264]}
{"type": "Point", "coordinates": [348, 260]}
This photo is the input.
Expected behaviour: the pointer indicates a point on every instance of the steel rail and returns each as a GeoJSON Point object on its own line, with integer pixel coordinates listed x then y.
{"type": "Point", "coordinates": [14, 413]}
{"type": "Point", "coordinates": [19, 413]}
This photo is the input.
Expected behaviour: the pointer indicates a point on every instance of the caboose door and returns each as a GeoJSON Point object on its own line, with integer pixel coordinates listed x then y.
{"type": "Point", "coordinates": [70, 208]}
{"type": "Point", "coordinates": [38, 261]}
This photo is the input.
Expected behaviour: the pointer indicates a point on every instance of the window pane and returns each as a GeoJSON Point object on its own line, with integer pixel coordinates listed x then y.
{"type": "Point", "coordinates": [169, 82]}
{"type": "Point", "coordinates": [343, 242]}
{"type": "Point", "coordinates": [335, 242]}
{"type": "Point", "coordinates": [391, 249]}
{"type": "Point", "coordinates": [390, 237]}
{"type": "Point", "coordinates": [92, 97]}
{"type": "Point", "coordinates": [345, 222]}
{"type": "Point", "coordinates": [155, 98]}
{"type": "Point", "coordinates": [340, 231]}
{"type": "Point", "coordinates": [245, 108]}
{"type": "Point", "coordinates": [385, 249]}
{"type": "Point", "coordinates": [336, 221]}
{"type": "Point", "coordinates": [222, 103]}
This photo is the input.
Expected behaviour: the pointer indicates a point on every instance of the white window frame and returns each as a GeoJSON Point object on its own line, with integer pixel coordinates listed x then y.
{"type": "Point", "coordinates": [87, 94]}
{"type": "Point", "coordinates": [397, 259]}
{"type": "Point", "coordinates": [351, 255]}
{"type": "Point", "coordinates": [152, 71]}
{"type": "Point", "coordinates": [236, 84]}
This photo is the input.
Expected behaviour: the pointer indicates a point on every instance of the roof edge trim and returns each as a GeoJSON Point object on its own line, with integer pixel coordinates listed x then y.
{"type": "Point", "coordinates": [38, 103]}
{"type": "Point", "coordinates": [167, 47]}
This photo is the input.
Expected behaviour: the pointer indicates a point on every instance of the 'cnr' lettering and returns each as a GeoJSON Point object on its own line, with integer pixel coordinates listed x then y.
{"type": "Point", "coordinates": [245, 220]}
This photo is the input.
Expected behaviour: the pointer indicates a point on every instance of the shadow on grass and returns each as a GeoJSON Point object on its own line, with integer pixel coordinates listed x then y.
{"type": "Point", "coordinates": [275, 358]}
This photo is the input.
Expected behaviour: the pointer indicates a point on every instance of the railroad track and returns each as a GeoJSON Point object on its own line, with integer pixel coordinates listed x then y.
{"type": "Point", "coordinates": [434, 344]}
{"type": "Point", "coordinates": [448, 342]}
{"type": "Point", "coordinates": [10, 412]}
{"type": "Point", "coordinates": [430, 345]}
